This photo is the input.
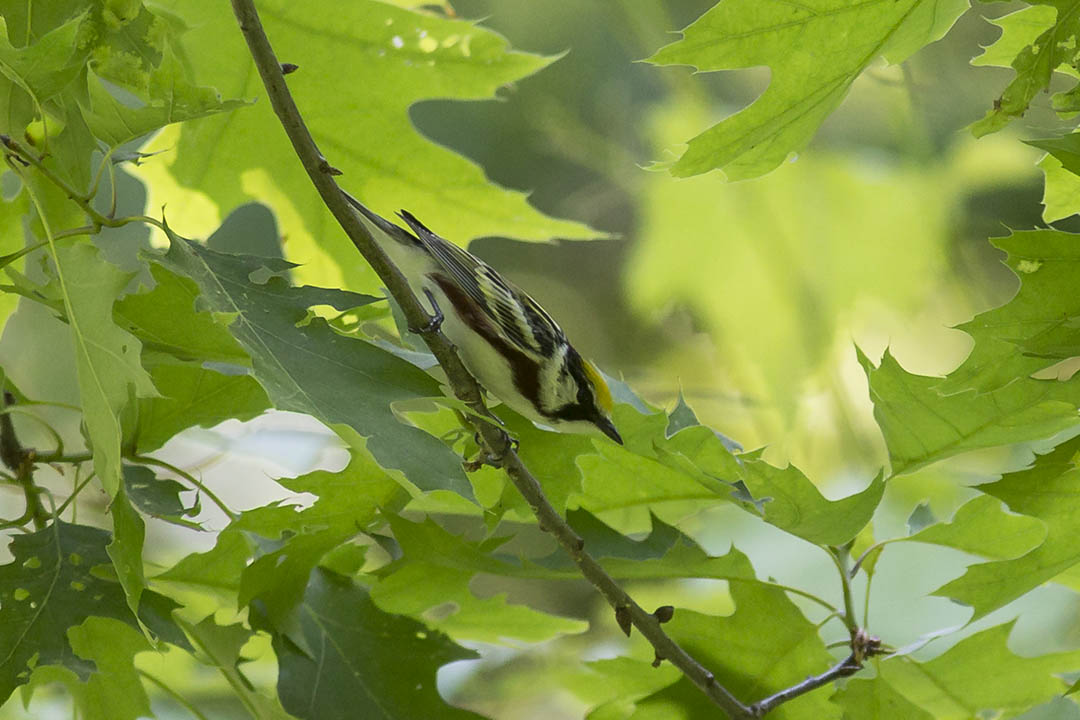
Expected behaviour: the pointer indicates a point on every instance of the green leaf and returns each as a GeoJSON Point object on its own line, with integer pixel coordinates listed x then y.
{"type": "Point", "coordinates": [805, 85]}
{"type": "Point", "coordinates": [876, 699]}
{"type": "Point", "coordinates": [107, 357]}
{"type": "Point", "coordinates": [194, 396]}
{"type": "Point", "coordinates": [1065, 148]}
{"type": "Point", "coordinates": [33, 74]}
{"type": "Point", "coordinates": [173, 100]}
{"type": "Point", "coordinates": [982, 527]}
{"type": "Point", "coordinates": [1035, 65]}
{"type": "Point", "coordinates": [1061, 193]}
{"type": "Point", "coordinates": [219, 646]}
{"type": "Point", "coordinates": [953, 686]}
{"type": "Point", "coordinates": [165, 320]}
{"type": "Point", "coordinates": [1018, 30]}
{"type": "Point", "coordinates": [922, 427]}
{"type": "Point", "coordinates": [431, 582]}
{"type": "Point", "coordinates": [310, 368]}
{"type": "Point", "coordinates": [1050, 491]}
{"type": "Point", "coordinates": [244, 558]}
{"type": "Point", "coordinates": [49, 587]}
{"type": "Point", "coordinates": [1038, 326]}
{"type": "Point", "coordinates": [154, 496]}
{"type": "Point", "coordinates": [793, 504]}
{"type": "Point", "coordinates": [749, 662]}
{"type": "Point", "coordinates": [366, 663]}
{"type": "Point", "coordinates": [360, 120]}
{"type": "Point", "coordinates": [114, 690]}
{"type": "Point", "coordinates": [126, 547]}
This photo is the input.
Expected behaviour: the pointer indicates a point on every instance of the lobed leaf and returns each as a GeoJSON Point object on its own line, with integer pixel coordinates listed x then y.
{"type": "Point", "coordinates": [48, 587]}
{"type": "Point", "coordinates": [403, 57]}
{"type": "Point", "coordinates": [806, 83]}
{"type": "Point", "coordinates": [922, 427]}
{"type": "Point", "coordinates": [365, 663]}
{"type": "Point", "coordinates": [1048, 491]}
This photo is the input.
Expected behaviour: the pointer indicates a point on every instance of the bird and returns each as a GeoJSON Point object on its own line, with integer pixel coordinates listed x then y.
{"type": "Point", "coordinates": [510, 344]}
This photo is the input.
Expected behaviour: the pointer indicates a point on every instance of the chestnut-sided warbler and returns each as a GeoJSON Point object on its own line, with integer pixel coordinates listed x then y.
{"type": "Point", "coordinates": [506, 340]}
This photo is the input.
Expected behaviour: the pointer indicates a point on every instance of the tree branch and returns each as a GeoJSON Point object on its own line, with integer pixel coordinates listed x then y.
{"type": "Point", "coordinates": [21, 461]}
{"type": "Point", "coordinates": [464, 386]}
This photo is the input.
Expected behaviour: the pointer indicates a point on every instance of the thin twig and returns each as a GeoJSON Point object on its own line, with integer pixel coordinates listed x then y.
{"type": "Point", "coordinates": [463, 384]}
{"type": "Point", "coordinates": [839, 556]}
{"type": "Point", "coordinates": [845, 668]}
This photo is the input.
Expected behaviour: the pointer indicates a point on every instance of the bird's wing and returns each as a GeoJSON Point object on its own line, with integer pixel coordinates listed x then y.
{"type": "Point", "coordinates": [519, 318]}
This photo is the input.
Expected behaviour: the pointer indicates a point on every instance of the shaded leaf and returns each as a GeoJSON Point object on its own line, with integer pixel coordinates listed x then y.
{"type": "Point", "coordinates": [48, 587]}
{"type": "Point", "coordinates": [876, 699]}
{"type": "Point", "coordinates": [219, 646]}
{"type": "Point", "coordinates": [154, 496]}
{"type": "Point", "coordinates": [750, 663]}
{"type": "Point", "coordinates": [172, 99]}
{"type": "Point", "coordinates": [194, 396]}
{"type": "Point", "coordinates": [107, 357]}
{"type": "Point", "coordinates": [310, 368]}
{"type": "Point", "coordinates": [367, 663]}
{"type": "Point", "coordinates": [114, 690]}
{"type": "Point", "coordinates": [126, 547]}
{"type": "Point", "coordinates": [166, 320]}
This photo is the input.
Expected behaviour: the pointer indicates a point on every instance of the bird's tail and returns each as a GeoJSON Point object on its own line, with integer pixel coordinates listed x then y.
{"type": "Point", "coordinates": [388, 228]}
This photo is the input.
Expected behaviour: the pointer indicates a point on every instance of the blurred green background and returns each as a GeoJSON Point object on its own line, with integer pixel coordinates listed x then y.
{"type": "Point", "coordinates": [748, 298]}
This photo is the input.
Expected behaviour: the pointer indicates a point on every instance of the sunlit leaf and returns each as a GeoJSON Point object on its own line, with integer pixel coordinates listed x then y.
{"type": "Point", "coordinates": [1037, 327]}
{"type": "Point", "coordinates": [113, 690]}
{"type": "Point", "coordinates": [107, 356]}
{"type": "Point", "coordinates": [1049, 491]}
{"type": "Point", "coordinates": [981, 527]}
{"type": "Point", "coordinates": [805, 85]}
{"type": "Point", "coordinates": [1035, 64]}
{"type": "Point", "coordinates": [921, 426]}
{"type": "Point", "coordinates": [953, 685]}
{"type": "Point", "coordinates": [793, 504]}
{"type": "Point", "coordinates": [395, 58]}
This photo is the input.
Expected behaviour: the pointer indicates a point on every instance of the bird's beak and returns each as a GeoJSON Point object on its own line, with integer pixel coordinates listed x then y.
{"type": "Point", "coordinates": [608, 428]}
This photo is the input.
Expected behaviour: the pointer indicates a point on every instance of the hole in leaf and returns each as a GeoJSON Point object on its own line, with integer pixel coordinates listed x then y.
{"type": "Point", "coordinates": [21, 594]}
{"type": "Point", "coordinates": [77, 586]}
{"type": "Point", "coordinates": [33, 563]}
{"type": "Point", "coordinates": [75, 558]}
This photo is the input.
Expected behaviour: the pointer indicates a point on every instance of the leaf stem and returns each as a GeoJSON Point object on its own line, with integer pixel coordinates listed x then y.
{"type": "Point", "coordinates": [839, 556]}
{"type": "Point", "coordinates": [97, 219]}
{"type": "Point", "coordinates": [180, 699]}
